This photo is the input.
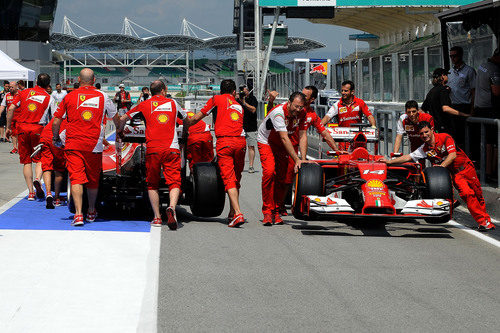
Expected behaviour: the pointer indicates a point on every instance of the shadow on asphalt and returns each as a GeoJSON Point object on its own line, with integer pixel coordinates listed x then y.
{"type": "Point", "coordinates": [184, 216]}
{"type": "Point", "coordinates": [374, 230]}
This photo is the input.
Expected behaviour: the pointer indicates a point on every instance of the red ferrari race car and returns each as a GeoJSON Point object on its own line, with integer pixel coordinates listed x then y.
{"type": "Point", "coordinates": [123, 187]}
{"type": "Point", "coordinates": [356, 185]}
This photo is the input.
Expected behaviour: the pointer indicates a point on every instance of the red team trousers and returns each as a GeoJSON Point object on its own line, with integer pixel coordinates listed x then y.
{"type": "Point", "coordinates": [201, 150]}
{"type": "Point", "coordinates": [274, 162]}
{"type": "Point", "coordinates": [231, 152]}
{"type": "Point", "coordinates": [470, 191]}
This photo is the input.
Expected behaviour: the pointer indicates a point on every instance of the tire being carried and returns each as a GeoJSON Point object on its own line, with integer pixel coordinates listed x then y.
{"type": "Point", "coordinates": [207, 192]}
{"type": "Point", "coordinates": [438, 186]}
{"type": "Point", "coordinates": [308, 181]}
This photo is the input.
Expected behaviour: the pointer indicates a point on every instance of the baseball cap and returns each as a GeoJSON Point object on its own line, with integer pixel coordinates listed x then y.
{"type": "Point", "coordinates": [439, 71]}
{"type": "Point", "coordinates": [121, 85]}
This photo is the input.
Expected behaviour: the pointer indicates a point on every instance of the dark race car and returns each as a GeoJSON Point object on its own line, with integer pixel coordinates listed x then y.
{"type": "Point", "coordinates": [123, 187]}
{"type": "Point", "coordinates": [357, 185]}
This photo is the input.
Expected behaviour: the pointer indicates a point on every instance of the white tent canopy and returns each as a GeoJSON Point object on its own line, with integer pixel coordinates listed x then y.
{"type": "Point", "coordinates": [11, 70]}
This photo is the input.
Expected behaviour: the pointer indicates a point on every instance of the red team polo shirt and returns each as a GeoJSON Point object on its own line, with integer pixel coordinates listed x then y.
{"type": "Point", "coordinates": [349, 114]}
{"type": "Point", "coordinates": [406, 126]}
{"type": "Point", "coordinates": [443, 146]}
{"type": "Point", "coordinates": [33, 106]}
{"type": "Point", "coordinates": [161, 114]}
{"type": "Point", "coordinates": [228, 115]}
{"type": "Point", "coordinates": [277, 121]}
{"type": "Point", "coordinates": [7, 102]}
{"type": "Point", "coordinates": [85, 109]}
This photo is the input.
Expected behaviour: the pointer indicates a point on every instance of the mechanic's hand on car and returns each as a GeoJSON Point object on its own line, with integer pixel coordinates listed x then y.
{"type": "Point", "coordinates": [383, 160]}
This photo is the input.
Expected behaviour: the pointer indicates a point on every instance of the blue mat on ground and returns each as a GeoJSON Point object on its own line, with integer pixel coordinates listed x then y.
{"type": "Point", "coordinates": [32, 215]}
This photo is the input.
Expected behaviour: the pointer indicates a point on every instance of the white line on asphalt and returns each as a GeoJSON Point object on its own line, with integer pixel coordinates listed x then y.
{"type": "Point", "coordinates": [472, 232]}
{"type": "Point", "coordinates": [475, 233]}
{"type": "Point", "coordinates": [12, 202]}
{"type": "Point", "coordinates": [149, 310]}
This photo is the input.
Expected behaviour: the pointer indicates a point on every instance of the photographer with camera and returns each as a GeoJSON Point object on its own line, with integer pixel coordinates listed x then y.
{"type": "Point", "coordinates": [249, 104]}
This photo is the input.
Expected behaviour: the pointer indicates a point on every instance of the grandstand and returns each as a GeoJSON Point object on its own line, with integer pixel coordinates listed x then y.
{"type": "Point", "coordinates": [135, 59]}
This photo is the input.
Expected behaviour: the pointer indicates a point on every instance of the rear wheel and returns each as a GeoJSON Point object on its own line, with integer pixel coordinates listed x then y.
{"type": "Point", "coordinates": [438, 186]}
{"type": "Point", "coordinates": [309, 181]}
{"type": "Point", "coordinates": [207, 190]}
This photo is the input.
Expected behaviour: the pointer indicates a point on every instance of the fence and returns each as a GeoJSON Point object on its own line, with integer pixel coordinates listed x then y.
{"type": "Point", "coordinates": [483, 123]}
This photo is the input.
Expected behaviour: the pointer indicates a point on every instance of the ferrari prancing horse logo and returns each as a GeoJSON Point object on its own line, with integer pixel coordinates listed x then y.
{"type": "Point", "coordinates": [82, 98]}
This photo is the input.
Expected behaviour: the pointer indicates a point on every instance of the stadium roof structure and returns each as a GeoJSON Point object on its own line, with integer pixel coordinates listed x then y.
{"type": "Point", "coordinates": [380, 17]}
{"type": "Point", "coordinates": [186, 41]}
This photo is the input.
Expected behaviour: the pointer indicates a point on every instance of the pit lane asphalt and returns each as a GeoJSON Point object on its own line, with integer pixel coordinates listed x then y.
{"type": "Point", "coordinates": [324, 276]}
{"type": "Point", "coordinates": [316, 276]}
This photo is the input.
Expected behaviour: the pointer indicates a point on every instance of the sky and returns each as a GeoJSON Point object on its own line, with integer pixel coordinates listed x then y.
{"type": "Point", "coordinates": [165, 17]}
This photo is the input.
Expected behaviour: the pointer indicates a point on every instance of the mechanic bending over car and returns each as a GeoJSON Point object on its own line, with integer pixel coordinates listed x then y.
{"type": "Point", "coordinates": [162, 148]}
{"type": "Point", "coordinates": [408, 123]}
{"type": "Point", "coordinates": [200, 143]}
{"type": "Point", "coordinates": [33, 104]}
{"type": "Point", "coordinates": [231, 143]}
{"type": "Point", "coordinates": [275, 148]}
{"type": "Point", "coordinates": [311, 93]}
{"type": "Point", "coordinates": [84, 109]}
{"type": "Point", "coordinates": [440, 149]}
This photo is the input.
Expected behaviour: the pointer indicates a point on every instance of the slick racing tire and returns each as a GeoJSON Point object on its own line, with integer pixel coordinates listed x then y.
{"type": "Point", "coordinates": [308, 181]}
{"type": "Point", "coordinates": [438, 186]}
{"type": "Point", "coordinates": [207, 191]}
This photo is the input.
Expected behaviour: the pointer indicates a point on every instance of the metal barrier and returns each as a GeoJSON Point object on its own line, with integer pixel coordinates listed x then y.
{"type": "Point", "coordinates": [387, 133]}
{"type": "Point", "coordinates": [483, 122]}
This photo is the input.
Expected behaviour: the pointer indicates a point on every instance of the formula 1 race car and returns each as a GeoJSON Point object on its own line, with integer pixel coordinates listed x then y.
{"type": "Point", "coordinates": [357, 185]}
{"type": "Point", "coordinates": [123, 188]}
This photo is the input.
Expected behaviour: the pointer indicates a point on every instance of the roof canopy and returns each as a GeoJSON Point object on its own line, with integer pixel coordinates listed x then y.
{"type": "Point", "coordinates": [11, 70]}
{"type": "Point", "coordinates": [167, 42]}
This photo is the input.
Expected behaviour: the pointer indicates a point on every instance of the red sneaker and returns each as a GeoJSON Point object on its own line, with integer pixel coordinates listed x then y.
{"type": "Point", "coordinates": [282, 211]}
{"type": "Point", "coordinates": [277, 218]}
{"type": "Point", "coordinates": [40, 194]}
{"type": "Point", "coordinates": [13, 151]}
{"type": "Point", "coordinates": [229, 218]}
{"type": "Point", "coordinates": [171, 219]}
{"type": "Point", "coordinates": [486, 225]}
{"type": "Point", "coordinates": [237, 220]}
{"type": "Point", "coordinates": [31, 196]}
{"type": "Point", "coordinates": [268, 220]}
{"type": "Point", "coordinates": [77, 220]}
{"type": "Point", "coordinates": [57, 202]}
{"type": "Point", "coordinates": [91, 216]}
{"type": "Point", "coordinates": [156, 222]}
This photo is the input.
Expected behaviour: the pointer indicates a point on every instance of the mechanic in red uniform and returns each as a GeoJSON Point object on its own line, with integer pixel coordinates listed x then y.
{"type": "Point", "coordinates": [408, 123]}
{"type": "Point", "coordinates": [275, 148]}
{"type": "Point", "coordinates": [6, 103]}
{"type": "Point", "coordinates": [230, 145]}
{"type": "Point", "coordinates": [200, 144]}
{"type": "Point", "coordinates": [34, 106]}
{"type": "Point", "coordinates": [162, 148]}
{"type": "Point", "coordinates": [312, 119]}
{"type": "Point", "coordinates": [85, 109]}
{"type": "Point", "coordinates": [52, 159]}
{"type": "Point", "coordinates": [440, 149]}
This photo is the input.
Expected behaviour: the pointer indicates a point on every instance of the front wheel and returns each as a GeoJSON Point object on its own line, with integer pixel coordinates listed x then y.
{"type": "Point", "coordinates": [308, 181]}
{"type": "Point", "coordinates": [438, 185]}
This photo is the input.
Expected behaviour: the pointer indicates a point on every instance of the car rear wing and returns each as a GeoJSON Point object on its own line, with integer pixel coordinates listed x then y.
{"type": "Point", "coordinates": [348, 133]}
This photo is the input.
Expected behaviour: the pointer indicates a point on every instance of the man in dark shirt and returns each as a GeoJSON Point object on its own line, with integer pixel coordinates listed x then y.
{"type": "Point", "coordinates": [249, 104]}
{"type": "Point", "coordinates": [123, 100]}
{"type": "Point", "coordinates": [438, 102]}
